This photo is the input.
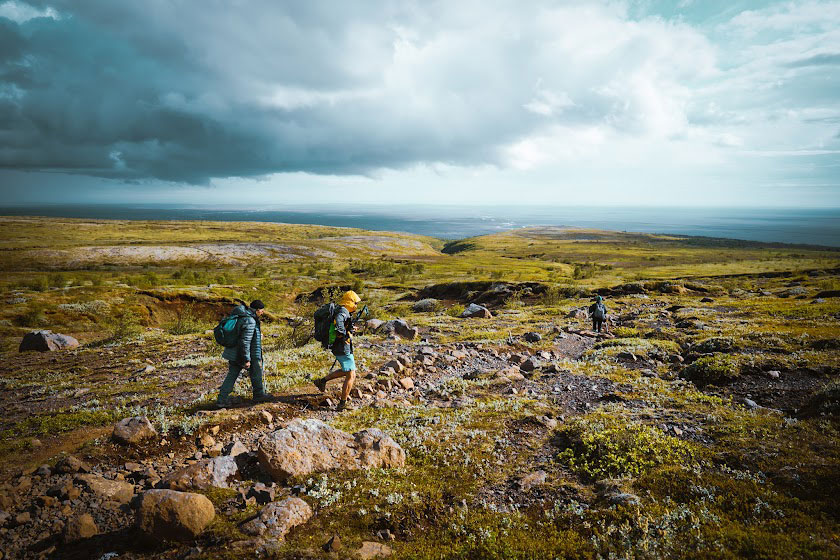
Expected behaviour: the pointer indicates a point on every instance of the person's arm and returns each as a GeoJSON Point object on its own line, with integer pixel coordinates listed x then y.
{"type": "Point", "coordinates": [246, 334]}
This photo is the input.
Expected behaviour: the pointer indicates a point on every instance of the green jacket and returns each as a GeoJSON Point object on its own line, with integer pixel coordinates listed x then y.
{"type": "Point", "coordinates": [342, 325]}
{"type": "Point", "coordinates": [249, 347]}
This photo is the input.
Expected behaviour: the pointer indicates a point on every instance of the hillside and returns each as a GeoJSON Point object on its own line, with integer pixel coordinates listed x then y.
{"type": "Point", "coordinates": [703, 425]}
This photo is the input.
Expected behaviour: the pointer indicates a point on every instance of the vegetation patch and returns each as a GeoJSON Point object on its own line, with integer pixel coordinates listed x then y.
{"type": "Point", "coordinates": [717, 368]}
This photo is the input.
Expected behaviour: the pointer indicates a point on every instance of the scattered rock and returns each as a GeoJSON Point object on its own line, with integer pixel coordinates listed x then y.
{"type": "Point", "coordinates": [234, 449]}
{"type": "Point", "coordinates": [475, 310]}
{"type": "Point", "coordinates": [266, 417]}
{"type": "Point", "coordinates": [407, 383]}
{"type": "Point", "coordinates": [372, 549]}
{"type": "Point", "coordinates": [374, 324]}
{"type": "Point", "coordinates": [206, 473]}
{"type": "Point", "coordinates": [80, 527]}
{"type": "Point", "coordinates": [774, 374]}
{"type": "Point", "coordinates": [307, 446]}
{"type": "Point", "coordinates": [751, 404]}
{"type": "Point", "coordinates": [172, 515]}
{"type": "Point", "coordinates": [425, 305]}
{"type": "Point", "coordinates": [707, 300]}
{"type": "Point", "coordinates": [107, 490]}
{"type": "Point", "coordinates": [530, 364]}
{"type": "Point", "coordinates": [536, 478]}
{"type": "Point", "coordinates": [532, 337]}
{"type": "Point", "coordinates": [46, 341]}
{"type": "Point", "coordinates": [71, 465]}
{"type": "Point", "coordinates": [400, 328]}
{"type": "Point", "coordinates": [395, 365]}
{"type": "Point", "coordinates": [277, 519]}
{"type": "Point", "coordinates": [133, 430]}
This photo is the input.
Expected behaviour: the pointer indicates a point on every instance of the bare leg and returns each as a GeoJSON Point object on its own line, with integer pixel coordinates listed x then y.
{"type": "Point", "coordinates": [348, 384]}
{"type": "Point", "coordinates": [336, 374]}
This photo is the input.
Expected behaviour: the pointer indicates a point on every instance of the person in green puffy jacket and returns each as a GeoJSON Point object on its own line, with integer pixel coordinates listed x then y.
{"type": "Point", "coordinates": [247, 354]}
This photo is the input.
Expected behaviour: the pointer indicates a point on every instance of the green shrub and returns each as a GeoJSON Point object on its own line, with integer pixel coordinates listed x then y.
{"type": "Point", "coordinates": [34, 316]}
{"type": "Point", "coordinates": [123, 323]}
{"type": "Point", "coordinates": [186, 321]}
{"type": "Point", "coordinates": [716, 368]}
{"type": "Point", "coordinates": [599, 446]}
{"type": "Point", "coordinates": [455, 310]}
{"type": "Point", "coordinates": [715, 344]}
{"type": "Point", "coordinates": [552, 296]}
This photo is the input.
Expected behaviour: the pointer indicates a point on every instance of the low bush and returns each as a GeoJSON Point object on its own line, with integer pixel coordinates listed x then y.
{"type": "Point", "coordinates": [717, 368]}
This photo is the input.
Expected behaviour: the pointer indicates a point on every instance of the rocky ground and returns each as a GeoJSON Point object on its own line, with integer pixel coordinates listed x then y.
{"type": "Point", "coordinates": [704, 425]}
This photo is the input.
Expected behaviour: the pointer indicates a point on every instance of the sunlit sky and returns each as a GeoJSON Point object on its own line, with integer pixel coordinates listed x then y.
{"type": "Point", "coordinates": [700, 102]}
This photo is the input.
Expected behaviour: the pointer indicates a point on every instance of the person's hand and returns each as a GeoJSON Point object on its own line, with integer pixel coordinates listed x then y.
{"type": "Point", "coordinates": [247, 365]}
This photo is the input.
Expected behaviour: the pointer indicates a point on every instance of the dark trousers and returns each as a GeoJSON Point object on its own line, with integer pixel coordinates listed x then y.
{"type": "Point", "coordinates": [597, 324]}
{"type": "Point", "coordinates": [255, 372]}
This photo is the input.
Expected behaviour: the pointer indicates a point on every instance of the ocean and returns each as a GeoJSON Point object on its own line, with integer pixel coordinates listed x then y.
{"type": "Point", "coordinates": [819, 226]}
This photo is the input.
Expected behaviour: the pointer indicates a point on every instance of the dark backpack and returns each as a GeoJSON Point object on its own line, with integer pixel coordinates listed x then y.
{"type": "Point", "coordinates": [600, 312]}
{"type": "Point", "coordinates": [226, 332]}
{"type": "Point", "coordinates": [324, 317]}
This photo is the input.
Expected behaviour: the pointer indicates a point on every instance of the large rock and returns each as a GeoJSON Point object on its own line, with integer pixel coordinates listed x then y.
{"type": "Point", "coordinates": [173, 515]}
{"type": "Point", "coordinates": [400, 328]}
{"type": "Point", "coordinates": [475, 310]}
{"type": "Point", "coordinates": [71, 465]}
{"type": "Point", "coordinates": [206, 473]}
{"type": "Point", "coordinates": [105, 489]}
{"type": "Point", "coordinates": [278, 518]}
{"type": "Point", "coordinates": [307, 446]}
{"type": "Point", "coordinates": [80, 527]}
{"type": "Point", "coordinates": [46, 341]}
{"type": "Point", "coordinates": [428, 304]}
{"type": "Point", "coordinates": [579, 313]}
{"type": "Point", "coordinates": [133, 430]}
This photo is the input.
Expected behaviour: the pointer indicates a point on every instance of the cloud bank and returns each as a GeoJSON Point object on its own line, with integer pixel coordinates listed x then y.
{"type": "Point", "coordinates": [194, 91]}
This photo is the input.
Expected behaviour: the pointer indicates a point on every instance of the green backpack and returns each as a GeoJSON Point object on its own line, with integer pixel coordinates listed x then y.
{"type": "Point", "coordinates": [226, 332]}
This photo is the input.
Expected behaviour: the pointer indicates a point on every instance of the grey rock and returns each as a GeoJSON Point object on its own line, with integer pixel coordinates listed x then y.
{"type": "Point", "coordinates": [532, 337]}
{"type": "Point", "coordinates": [133, 430]}
{"type": "Point", "coordinates": [475, 310]}
{"type": "Point", "coordinates": [277, 519]}
{"type": "Point", "coordinates": [425, 305]}
{"type": "Point", "coordinates": [46, 341]}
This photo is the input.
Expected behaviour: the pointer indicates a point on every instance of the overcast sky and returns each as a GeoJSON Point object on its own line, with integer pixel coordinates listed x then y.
{"type": "Point", "coordinates": [713, 102]}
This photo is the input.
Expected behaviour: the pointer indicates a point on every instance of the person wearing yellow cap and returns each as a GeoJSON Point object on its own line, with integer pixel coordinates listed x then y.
{"type": "Point", "coordinates": [341, 344]}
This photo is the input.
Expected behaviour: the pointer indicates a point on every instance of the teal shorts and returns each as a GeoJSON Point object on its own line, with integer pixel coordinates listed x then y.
{"type": "Point", "coordinates": [346, 361]}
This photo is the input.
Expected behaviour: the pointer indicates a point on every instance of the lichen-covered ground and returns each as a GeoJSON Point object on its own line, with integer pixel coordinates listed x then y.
{"type": "Point", "coordinates": [704, 426]}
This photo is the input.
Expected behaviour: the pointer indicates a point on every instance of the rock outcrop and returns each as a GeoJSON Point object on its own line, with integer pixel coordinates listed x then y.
{"type": "Point", "coordinates": [173, 515]}
{"type": "Point", "coordinates": [307, 446]}
{"type": "Point", "coordinates": [46, 341]}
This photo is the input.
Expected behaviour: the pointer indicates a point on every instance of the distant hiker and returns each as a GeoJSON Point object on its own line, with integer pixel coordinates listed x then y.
{"type": "Point", "coordinates": [598, 312]}
{"type": "Point", "coordinates": [340, 341]}
{"type": "Point", "coordinates": [245, 352]}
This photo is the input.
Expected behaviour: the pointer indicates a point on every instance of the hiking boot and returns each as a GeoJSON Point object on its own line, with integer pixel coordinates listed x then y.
{"type": "Point", "coordinates": [223, 404]}
{"type": "Point", "coordinates": [265, 397]}
{"type": "Point", "coordinates": [321, 384]}
{"type": "Point", "coordinates": [342, 405]}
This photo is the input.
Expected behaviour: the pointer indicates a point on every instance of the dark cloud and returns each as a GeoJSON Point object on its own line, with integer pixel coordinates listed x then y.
{"type": "Point", "coordinates": [191, 91]}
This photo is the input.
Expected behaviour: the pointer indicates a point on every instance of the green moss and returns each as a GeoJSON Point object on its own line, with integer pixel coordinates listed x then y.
{"type": "Point", "coordinates": [714, 344]}
{"type": "Point", "coordinates": [717, 368]}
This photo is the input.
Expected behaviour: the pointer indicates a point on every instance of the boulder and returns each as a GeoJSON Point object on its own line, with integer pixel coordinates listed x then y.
{"type": "Point", "coordinates": [105, 489]}
{"type": "Point", "coordinates": [172, 515]}
{"type": "Point", "coordinates": [46, 341]}
{"type": "Point", "coordinates": [395, 365]}
{"type": "Point", "coordinates": [374, 324]}
{"type": "Point", "coordinates": [407, 383]}
{"type": "Point", "coordinates": [403, 330]}
{"type": "Point", "coordinates": [530, 364]}
{"type": "Point", "coordinates": [235, 449]}
{"type": "Point", "coordinates": [133, 430]}
{"type": "Point", "coordinates": [425, 305]}
{"type": "Point", "coordinates": [80, 527]}
{"type": "Point", "coordinates": [307, 446]}
{"type": "Point", "coordinates": [475, 310]}
{"type": "Point", "coordinates": [278, 518]}
{"type": "Point", "coordinates": [206, 473]}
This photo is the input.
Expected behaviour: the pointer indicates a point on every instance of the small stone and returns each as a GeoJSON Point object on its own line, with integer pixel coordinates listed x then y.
{"type": "Point", "coordinates": [43, 470]}
{"type": "Point", "coordinates": [774, 374]}
{"type": "Point", "coordinates": [751, 404]}
{"type": "Point", "coordinates": [407, 383]}
{"type": "Point", "coordinates": [266, 417]}
{"type": "Point", "coordinates": [530, 364]}
{"type": "Point", "coordinates": [206, 441]}
{"type": "Point", "coordinates": [133, 430]}
{"type": "Point", "coordinates": [332, 545]}
{"type": "Point", "coordinates": [532, 337]}
{"type": "Point", "coordinates": [371, 549]}
{"type": "Point", "coordinates": [71, 465]}
{"type": "Point", "coordinates": [214, 430]}
{"type": "Point", "coordinates": [277, 519]}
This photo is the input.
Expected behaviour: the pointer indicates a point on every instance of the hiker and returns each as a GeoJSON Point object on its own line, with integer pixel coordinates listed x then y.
{"type": "Point", "coordinates": [341, 344]}
{"type": "Point", "coordinates": [246, 354]}
{"type": "Point", "coordinates": [598, 312]}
